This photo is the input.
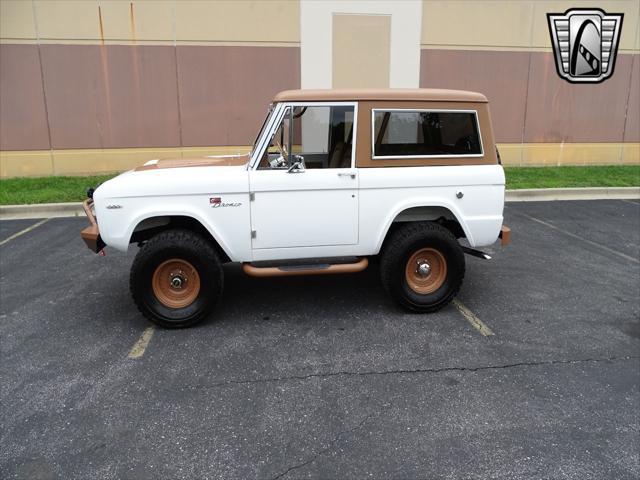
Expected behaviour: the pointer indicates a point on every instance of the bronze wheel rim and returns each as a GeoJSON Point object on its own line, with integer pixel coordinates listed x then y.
{"type": "Point", "coordinates": [176, 284]}
{"type": "Point", "coordinates": [426, 271]}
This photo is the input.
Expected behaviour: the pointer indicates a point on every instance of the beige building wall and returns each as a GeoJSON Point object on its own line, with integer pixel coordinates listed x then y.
{"type": "Point", "coordinates": [511, 24]}
{"type": "Point", "coordinates": [99, 85]}
{"type": "Point", "coordinates": [502, 48]}
{"type": "Point", "coordinates": [270, 22]}
{"type": "Point", "coordinates": [361, 51]}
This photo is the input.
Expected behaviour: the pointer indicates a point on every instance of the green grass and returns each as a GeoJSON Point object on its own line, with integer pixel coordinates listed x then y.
{"type": "Point", "coordinates": [15, 191]}
{"type": "Point", "coordinates": [564, 177]}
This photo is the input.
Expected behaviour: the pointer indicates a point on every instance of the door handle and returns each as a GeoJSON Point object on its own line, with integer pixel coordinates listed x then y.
{"type": "Point", "coordinates": [352, 175]}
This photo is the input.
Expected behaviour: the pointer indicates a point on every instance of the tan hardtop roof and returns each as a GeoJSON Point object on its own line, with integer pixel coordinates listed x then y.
{"type": "Point", "coordinates": [392, 94]}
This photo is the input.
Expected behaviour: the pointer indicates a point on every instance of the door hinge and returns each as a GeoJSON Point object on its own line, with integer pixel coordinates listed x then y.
{"type": "Point", "coordinates": [252, 196]}
{"type": "Point", "coordinates": [253, 234]}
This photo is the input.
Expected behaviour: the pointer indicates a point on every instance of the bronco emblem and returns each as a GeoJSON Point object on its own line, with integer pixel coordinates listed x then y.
{"type": "Point", "coordinates": [585, 43]}
{"type": "Point", "coordinates": [216, 202]}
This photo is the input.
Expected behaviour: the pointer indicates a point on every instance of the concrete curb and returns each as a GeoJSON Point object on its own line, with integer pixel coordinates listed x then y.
{"type": "Point", "coordinates": [589, 193]}
{"type": "Point", "coordinates": [41, 210]}
{"type": "Point", "coordinates": [55, 210]}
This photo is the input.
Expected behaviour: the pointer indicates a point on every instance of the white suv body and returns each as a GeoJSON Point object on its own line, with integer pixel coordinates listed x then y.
{"type": "Point", "coordinates": [330, 173]}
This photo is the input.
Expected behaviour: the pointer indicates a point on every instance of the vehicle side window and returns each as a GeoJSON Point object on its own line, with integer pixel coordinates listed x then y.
{"type": "Point", "coordinates": [411, 133]}
{"type": "Point", "coordinates": [320, 136]}
{"type": "Point", "coordinates": [276, 156]}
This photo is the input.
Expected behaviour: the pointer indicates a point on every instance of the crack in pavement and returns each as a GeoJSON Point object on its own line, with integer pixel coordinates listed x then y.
{"type": "Point", "coordinates": [417, 370]}
{"type": "Point", "coordinates": [360, 424]}
{"type": "Point", "coordinates": [325, 449]}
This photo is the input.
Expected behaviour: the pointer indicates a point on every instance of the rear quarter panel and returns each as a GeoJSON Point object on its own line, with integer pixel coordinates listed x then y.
{"type": "Point", "coordinates": [386, 192]}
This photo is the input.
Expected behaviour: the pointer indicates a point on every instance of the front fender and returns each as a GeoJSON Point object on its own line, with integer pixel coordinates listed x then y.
{"type": "Point", "coordinates": [181, 213]}
{"type": "Point", "coordinates": [119, 225]}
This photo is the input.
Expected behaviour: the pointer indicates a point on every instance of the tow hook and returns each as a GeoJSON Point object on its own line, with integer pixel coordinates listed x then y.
{"type": "Point", "coordinates": [476, 253]}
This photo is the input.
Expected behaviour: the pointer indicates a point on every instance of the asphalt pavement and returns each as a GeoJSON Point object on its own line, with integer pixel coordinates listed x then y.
{"type": "Point", "coordinates": [324, 377]}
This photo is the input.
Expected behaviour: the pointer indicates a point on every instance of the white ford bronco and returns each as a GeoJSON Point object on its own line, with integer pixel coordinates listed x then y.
{"type": "Point", "coordinates": [335, 178]}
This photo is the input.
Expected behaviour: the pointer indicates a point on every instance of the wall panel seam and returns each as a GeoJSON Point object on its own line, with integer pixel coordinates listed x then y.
{"type": "Point", "coordinates": [626, 109]}
{"type": "Point", "coordinates": [44, 90]}
{"type": "Point", "coordinates": [175, 58]}
{"type": "Point", "coordinates": [507, 48]}
{"type": "Point", "coordinates": [526, 92]}
{"type": "Point", "coordinates": [128, 41]}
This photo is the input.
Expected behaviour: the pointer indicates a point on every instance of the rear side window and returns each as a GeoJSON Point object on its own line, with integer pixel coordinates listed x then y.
{"type": "Point", "coordinates": [425, 133]}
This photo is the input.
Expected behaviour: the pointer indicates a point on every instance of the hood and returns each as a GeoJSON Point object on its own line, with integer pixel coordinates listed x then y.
{"type": "Point", "coordinates": [210, 161]}
{"type": "Point", "coordinates": [178, 177]}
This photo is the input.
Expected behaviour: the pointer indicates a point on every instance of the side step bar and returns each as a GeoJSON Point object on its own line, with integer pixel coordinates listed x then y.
{"type": "Point", "coordinates": [476, 253]}
{"type": "Point", "coordinates": [292, 270]}
{"type": "Point", "coordinates": [505, 239]}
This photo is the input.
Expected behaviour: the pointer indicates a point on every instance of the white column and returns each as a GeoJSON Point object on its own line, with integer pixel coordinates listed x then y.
{"type": "Point", "coordinates": [316, 36]}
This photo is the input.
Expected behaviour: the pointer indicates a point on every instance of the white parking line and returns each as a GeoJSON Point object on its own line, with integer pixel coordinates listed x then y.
{"type": "Point", "coordinates": [573, 235]}
{"type": "Point", "coordinates": [472, 318]}
{"type": "Point", "coordinates": [141, 345]}
{"type": "Point", "coordinates": [26, 230]}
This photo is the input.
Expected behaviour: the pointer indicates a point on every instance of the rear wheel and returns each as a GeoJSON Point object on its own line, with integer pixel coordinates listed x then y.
{"type": "Point", "coordinates": [176, 279]}
{"type": "Point", "coordinates": [422, 266]}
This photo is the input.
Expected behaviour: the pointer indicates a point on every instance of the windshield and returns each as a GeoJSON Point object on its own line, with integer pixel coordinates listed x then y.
{"type": "Point", "coordinates": [264, 125]}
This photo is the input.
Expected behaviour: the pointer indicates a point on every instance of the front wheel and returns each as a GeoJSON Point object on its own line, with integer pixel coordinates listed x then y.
{"type": "Point", "coordinates": [422, 266]}
{"type": "Point", "coordinates": [176, 279]}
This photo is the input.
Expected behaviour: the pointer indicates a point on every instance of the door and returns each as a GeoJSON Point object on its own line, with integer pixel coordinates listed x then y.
{"type": "Point", "coordinates": [305, 188]}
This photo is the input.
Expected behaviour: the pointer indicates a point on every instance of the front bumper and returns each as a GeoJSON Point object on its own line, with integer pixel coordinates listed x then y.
{"type": "Point", "coordinates": [91, 234]}
{"type": "Point", "coordinates": [504, 235]}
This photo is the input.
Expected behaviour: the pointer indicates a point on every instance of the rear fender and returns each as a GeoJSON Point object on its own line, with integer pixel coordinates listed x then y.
{"type": "Point", "coordinates": [414, 203]}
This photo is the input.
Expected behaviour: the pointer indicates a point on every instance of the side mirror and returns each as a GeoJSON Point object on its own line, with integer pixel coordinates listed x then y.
{"type": "Point", "coordinates": [297, 166]}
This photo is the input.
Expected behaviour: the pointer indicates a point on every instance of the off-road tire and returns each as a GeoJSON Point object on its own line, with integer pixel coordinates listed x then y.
{"type": "Point", "coordinates": [162, 253]}
{"type": "Point", "coordinates": [406, 242]}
